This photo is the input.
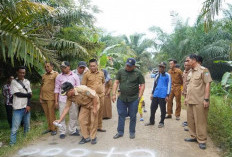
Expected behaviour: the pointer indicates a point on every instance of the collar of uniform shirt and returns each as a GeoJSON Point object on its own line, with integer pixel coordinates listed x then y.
{"type": "Point", "coordinates": [94, 72]}
{"type": "Point", "coordinates": [50, 72]}
{"type": "Point", "coordinates": [196, 68]}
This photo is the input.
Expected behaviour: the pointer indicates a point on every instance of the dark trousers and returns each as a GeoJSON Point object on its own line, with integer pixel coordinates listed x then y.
{"type": "Point", "coordinates": [125, 108]}
{"type": "Point", "coordinates": [154, 105]}
{"type": "Point", "coordinates": [9, 111]}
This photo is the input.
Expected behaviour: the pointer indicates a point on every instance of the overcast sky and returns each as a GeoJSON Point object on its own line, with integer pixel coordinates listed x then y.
{"type": "Point", "coordinates": [130, 16]}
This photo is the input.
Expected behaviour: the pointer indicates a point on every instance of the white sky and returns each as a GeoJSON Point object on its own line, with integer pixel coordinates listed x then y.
{"type": "Point", "coordinates": [136, 16]}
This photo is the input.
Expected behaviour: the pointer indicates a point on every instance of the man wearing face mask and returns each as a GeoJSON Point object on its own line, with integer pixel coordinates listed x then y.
{"type": "Point", "coordinates": [128, 80]}
{"type": "Point", "coordinates": [160, 93]}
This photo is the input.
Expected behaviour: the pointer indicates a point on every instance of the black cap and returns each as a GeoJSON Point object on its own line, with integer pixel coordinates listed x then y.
{"type": "Point", "coordinates": [82, 64]}
{"type": "Point", "coordinates": [130, 62]}
{"type": "Point", "coordinates": [162, 64]}
{"type": "Point", "coordinates": [65, 64]}
{"type": "Point", "coordinates": [65, 87]}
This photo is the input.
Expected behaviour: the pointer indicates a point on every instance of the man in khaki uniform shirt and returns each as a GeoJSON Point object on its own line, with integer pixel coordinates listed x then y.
{"type": "Point", "coordinates": [89, 101]}
{"type": "Point", "coordinates": [198, 93]}
{"type": "Point", "coordinates": [177, 81]}
{"type": "Point", "coordinates": [95, 80]}
{"type": "Point", "coordinates": [47, 96]}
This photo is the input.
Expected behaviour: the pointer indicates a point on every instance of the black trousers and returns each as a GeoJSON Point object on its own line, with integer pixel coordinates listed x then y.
{"type": "Point", "coordinates": [9, 111]}
{"type": "Point", "coordinates": [154, 105]}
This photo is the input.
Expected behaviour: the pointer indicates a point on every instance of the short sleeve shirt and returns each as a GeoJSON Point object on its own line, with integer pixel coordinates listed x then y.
{"type": "Point", "coordinates": [48, 85]}
{"type": "Point", "coordinates": [19, 103]}
{"type": "Point", "coordinates": [95, 81]}
{"type": "Point", "coordinates": [129, 84]}
{"type": "Point", "coordinates": [176, 76]}
{"type": "Point", "coordinates": [185, 81]}
{"type": "Point", "coordinates": [198, 78]}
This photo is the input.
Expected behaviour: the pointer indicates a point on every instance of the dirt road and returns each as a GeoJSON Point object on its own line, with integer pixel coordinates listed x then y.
{"type": "Point", "coordinates": [150, 141]}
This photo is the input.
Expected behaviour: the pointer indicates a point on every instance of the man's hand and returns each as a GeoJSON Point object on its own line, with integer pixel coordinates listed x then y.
{"type": "Point", "coordinates": [166, 99]}
{"type": "Point", "coordinates": [40, 100]}
{"type": "Point", "coordinates": [114, 98]}
{"type": "Point", "coordinates": [151, 97]}
{"type": "Point", "coordinates": [28, 108]}
{"type": "Point", "coordinates": [57, 121]}
{"type": "Point", "coordinates": [95, 112]}
{"type": "Point", "coordinates": [206, 104]}
{"type": "Point", "coordinates": [57, 105]}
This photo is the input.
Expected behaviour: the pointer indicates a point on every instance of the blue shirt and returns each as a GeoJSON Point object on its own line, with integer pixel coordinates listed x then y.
{"type": "Point", "coordinates": [163, 87]}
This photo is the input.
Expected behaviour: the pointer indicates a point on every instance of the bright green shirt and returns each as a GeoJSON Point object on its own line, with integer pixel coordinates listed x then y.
{"type": "Point", "coordinates": [129, 84]}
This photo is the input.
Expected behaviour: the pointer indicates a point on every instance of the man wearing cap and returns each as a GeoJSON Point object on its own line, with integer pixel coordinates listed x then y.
{"type": "Point", "coordinates": [89, 101]}
{"type": "Point", "coordinates": [81, 70]}
{"type": "Point", "coordinates": [177, 81]}
{"type": "Point", "coordinates": [95, 80]}
{"type": "Point", "coordinates": [128, 80]}
{"type": "Point", "coordinates": [160, 93]}
{"type": "Point", "coordinates": [66, 76]}
{"type": "Point", "coordinates": [47, 96]}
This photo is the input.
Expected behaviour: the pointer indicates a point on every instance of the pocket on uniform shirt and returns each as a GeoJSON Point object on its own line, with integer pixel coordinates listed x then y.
{"type": "Point", "coordinates": [197, 80]}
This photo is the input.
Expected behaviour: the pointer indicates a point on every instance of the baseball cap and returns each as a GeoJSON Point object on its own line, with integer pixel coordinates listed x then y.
{"type": "Point", "coordinates": [162, 64]}
{"type": "Point", "coordinates": [65, 87]}
{"type": "Point", "coordinates": [130, 62]}
{"type": "Point", "coordinates": [65, 64]}
{"type": "Point", "coordinates": [82, 64]}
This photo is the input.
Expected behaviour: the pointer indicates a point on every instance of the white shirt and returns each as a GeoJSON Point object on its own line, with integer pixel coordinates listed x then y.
{"type": "Point", "coordinates": [19, 103]}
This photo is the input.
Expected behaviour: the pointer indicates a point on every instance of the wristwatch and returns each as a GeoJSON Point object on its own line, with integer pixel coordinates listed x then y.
{"type": "Point", "coordinates": [207, 100]}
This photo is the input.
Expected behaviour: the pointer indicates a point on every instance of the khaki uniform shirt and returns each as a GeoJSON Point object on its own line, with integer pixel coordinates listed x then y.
{"type": "Point", "coordinates": [176, 76]}
{"type": "Point", "coordinates": [48, 85]}
{"type": "Point", "coordinates": [198, 78]}
{"type": "Point", "coordinates": [83, 97]}
{"type": "Point", "coordinates": [94, 81]}
{"type": "Point", "coordinates": [185, 81]}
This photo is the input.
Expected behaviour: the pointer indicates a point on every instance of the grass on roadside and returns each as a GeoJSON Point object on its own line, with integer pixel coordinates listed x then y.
{"type": "Point", "coordinates": [220, 123]}
{"type": "Point", "coordinates": [37, 126]}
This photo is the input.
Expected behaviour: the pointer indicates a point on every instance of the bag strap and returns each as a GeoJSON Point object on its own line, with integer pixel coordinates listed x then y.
{"type": "Point", "coordinates": [21, 83]}
{"type": "Point", "coordinates": [155, 82]}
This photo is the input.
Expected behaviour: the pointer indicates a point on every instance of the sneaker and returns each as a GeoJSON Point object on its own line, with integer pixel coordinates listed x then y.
{"type": "Point", "coordinates": [62, 136]}
{"type": "Point", "coordinates": [161, 125]}
{"type": "Point", "coordinates": [168, 117]}
{"type": "Point", "coordinates": [94, 141]}
{"type": "Point", "coordinates": [202, 145]}
{"type": "Point", "coordinates": [46, 131]}
{"type": "Point", "coordinates": [185, 124]}
{"type": "Point", "coordinates": [53, 133]}
{"type": "Point", "coordinates": [177, 118]}
{"type": "Point", "coordinates": [141, 119]}
{"type": "Point", "coordinates": [84, 140]}
{"type": "Point", "coordinates": [117, 136]}
{"type": "Point", "coordinates": [132, 136]}
{"type": "Point", "coordinates": [147, 124]}
{"type": "Point", "coordinates": [75, 133]}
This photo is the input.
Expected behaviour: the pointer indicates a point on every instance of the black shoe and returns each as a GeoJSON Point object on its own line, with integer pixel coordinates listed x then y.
{"type": "Point", "coordinates": [202, 145]}
{"type": "Point", "coordinates": [161, 125]}
{"type": "Point", "coordinates": [147, 124]}
{"type": "Point", "coordinates": [190, 140]}
{"type": "Point", "coordinates": [132, 136]}
{"type": "Point", "coordinates": [75, 133]}
{"type": "Point", "coordinates": [46, 131]}
{"type": "Point", "coordinates": [53, 133]}
{"type": "Point", "coordinates": [117, 136]}
{"type": "Point", "coordinates": [94, 141]}
{"type": "Point", "coordinates": [185, 124]}
{"type": "Point", "coordinates": [101, 130]}
{"type": "Point", "coordinates": [168, 117]}
{"type": "Point", "coordinates": [84, 140]}
{"type": "Point", "coordinates": [186, 129]}
{"type": "Point", "coordinates": [62, 136]}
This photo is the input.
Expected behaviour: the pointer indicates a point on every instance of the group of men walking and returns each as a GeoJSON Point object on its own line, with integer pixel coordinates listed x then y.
{"type": "Point", "coordinates": [82, 93]}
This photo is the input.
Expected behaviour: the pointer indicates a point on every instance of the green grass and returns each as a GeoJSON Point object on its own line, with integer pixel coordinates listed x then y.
{"type": "Point", "coordinates": [35, 92]}
{"type": "Point", "coordinates": [37, 126]}
{"type": "Point", "coordinates": [220, 124]}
